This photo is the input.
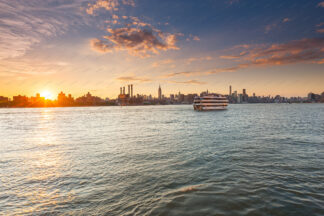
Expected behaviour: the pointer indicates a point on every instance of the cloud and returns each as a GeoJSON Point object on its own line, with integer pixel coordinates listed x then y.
{"type": "Point", "coordinates": [26, 23]}
{"type": "Point", "coordinates": [130, 34]}
{"type": "Point", "coordinates": [321, 4]}
{"type": "Point", "coordinates": [196, 38]}
{"type": "Point", "coordinates": [308, 50]}
{"type": "Point", "coordinates": [286, 20]}
{"type": "Point", "coordinates": [193, 59]}
{"type": "Point", "coordinates": [137, 41]}
{"type": "Point", "coordinates": [133, 79]}
{"type": "Point", "coordinates": [195, 82]}
{"type": "Point", "coordinates": [109, 5]}
{"type": "Point", "coordinates": [320, 24]}
{"type": "Point", "coordinates": [232, 1]}
{"type": "Point", "coordinates": [275, 25]}
{"type": "Point", "coordinates": [100, 46]}
{"type": "Point", "coordinates": [193, 37]}
{"type": "Point", "coordinates": [186, 73]}
{"type": "Point", "coordinates": [270, 27]}
{"type": "Point", "coordinates": [298, 51]}
{"type": "Point", "coordinates": [234, 56]}
{"type": "Point", "coordinates": [24, 67]}
{"type": "Point", "coordinates": [129, 2]}
{"type": "Point", "coordinates": [204, 72]}
{"type": "Point", "coordinates": [320, 30]}
{"type": "Point", "coordinates": [320, 61]}
{"type": "Point", "coordinates": [163, 62]}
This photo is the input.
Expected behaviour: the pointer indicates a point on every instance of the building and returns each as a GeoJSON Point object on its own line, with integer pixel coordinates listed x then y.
{"type": "Point", "coordinates": [123, 98]}
{"type": "Point", "coordinates": [63, 100]}
{"type": "Point", "coordinates": [37, 101]}
{"type": "Point", "coordinates": [160, 93]}
{"type": "Point", "coordinates": [131, 95]}
{"type": "Point", "coordinates": [4, 101]}
{"type": "Point", "coordinates": [20, 101]}
{"type": "Point", "coordinates": [89, 100]}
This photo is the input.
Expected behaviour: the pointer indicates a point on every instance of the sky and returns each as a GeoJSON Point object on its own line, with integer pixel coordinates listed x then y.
{"type": "Point", "coordinates": [79, 46]}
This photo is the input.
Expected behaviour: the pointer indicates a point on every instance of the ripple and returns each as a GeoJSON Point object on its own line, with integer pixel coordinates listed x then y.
{"type": "Point", "coordinates": [162, 160]}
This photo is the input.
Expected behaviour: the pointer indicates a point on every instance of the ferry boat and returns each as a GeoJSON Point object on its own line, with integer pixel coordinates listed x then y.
{"type": "Point", "coordinates": [210, 102]}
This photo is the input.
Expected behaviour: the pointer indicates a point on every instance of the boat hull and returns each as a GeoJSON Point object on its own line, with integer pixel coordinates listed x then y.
{"type": "Point", "coordinates": [199, 108]}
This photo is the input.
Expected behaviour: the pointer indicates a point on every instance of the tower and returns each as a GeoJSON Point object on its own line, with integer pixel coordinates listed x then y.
{"type": "Point", "coordinates": [128, 92]}
{"type": "Point", "coordinates": [131, 90]}
{"type": "Point", "coordinates": [230, 90]}
{"type": "Point", "coordinates": [160, 93]}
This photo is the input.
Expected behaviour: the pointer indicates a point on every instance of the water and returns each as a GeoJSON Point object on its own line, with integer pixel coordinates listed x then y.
{"type": "Point", "coordinates": [264, 159]}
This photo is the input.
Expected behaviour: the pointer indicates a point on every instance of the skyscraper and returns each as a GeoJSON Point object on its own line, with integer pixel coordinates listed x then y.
{"type": "Point", "coordinates": [230, 90]}
{"type": "Point", "coordinates": [160, 93]}
{"type": "Point", "coordinates": [131, 90]}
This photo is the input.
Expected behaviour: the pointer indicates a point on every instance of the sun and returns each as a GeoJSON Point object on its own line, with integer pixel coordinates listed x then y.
{"type": "Point", "coordinates": [47, 95]}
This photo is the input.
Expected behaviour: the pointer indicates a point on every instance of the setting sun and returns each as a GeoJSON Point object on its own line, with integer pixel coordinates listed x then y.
{"type": "Point", "coordinates": [46, 95]}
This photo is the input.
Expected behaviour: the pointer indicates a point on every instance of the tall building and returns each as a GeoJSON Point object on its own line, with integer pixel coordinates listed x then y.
{"type": "Point", "coordinates": [131, 90]}
{"type": "Point", "coordinates": [160, 93]}
{"type": "Point", "coordinates": [244, 96]}
{"type": "Point", "coordinates": [230, 90]}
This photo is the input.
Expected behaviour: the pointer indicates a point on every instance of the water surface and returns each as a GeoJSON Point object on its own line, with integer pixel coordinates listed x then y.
{"type": "Point", "coordinates": [253, 159]}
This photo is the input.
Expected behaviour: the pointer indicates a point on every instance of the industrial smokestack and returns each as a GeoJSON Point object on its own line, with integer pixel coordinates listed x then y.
{"type": "Point", "coordinates": [121, 90]}
{"type": "Point", "coordinates": [128, 90]}
{"type": "Point", "coordinates": [124, 90]}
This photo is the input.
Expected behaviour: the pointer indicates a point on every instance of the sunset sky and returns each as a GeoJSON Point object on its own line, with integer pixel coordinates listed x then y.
{"type": "Point", "coordinates": [75, 46]}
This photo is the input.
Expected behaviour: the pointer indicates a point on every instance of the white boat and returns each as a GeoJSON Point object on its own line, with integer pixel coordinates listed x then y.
{"type": "Point", "coordinates": [210, 102]}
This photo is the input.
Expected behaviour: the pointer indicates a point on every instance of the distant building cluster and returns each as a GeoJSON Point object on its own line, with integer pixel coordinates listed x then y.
{"type": "Point", "coordinates": [129, 98]}
{"type": "Point", "coordinates": [62, 100]}
{"type": "Point", "coordinates": [235, 97]}
{"type": "Point", "coordinates": [125, 99]}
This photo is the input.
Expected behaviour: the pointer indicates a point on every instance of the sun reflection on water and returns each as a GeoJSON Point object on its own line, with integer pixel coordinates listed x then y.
{"type": "Point", "coordinates": [43, 170]}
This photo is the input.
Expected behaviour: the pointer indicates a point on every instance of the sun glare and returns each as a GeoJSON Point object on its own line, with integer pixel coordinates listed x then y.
{"type": "Point", "coordinates": [46, 95]}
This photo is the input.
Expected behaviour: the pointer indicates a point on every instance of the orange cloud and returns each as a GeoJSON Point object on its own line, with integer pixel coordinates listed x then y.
{"type": "Point", "coordinates": [205, 72]}
{"type": "Point", "coordinates": [286, 20]}
{"type": "Point", "coordinates": [320, 30]}
{"type": "Point", "coordinates": [196, 38]}
{"type": "Point", "coordinates": [195, 82]}
{"type": "Point", "coordinates": [193, 59]}
{"type": "Point", "coordinates": [138, 42]}
{"type": "Point", "coordinates": [320, 24]}
{"type": "Point", "coordinates": [135, 36]}
{"type": "Point", "coordinates": [100, 46]}
{"type": "Point", "coordinates": [309, 50]}
{"type": "Point", "coordinates": [109, 5]}
{"type": "Point", "coordinates": [133, 79]}
{"type": "Point", "coordinates": [234, 56]}
{"type": "Point", "coordinates": [321, 4]}
{"type": "Point", "coordinates": [163, 62]}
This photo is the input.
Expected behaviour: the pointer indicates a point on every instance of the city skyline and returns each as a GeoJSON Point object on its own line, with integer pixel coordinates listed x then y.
{"type": "Point", "coordinates": [128, 97]}
{"type": "Point", "coordinates": [98, 45]}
